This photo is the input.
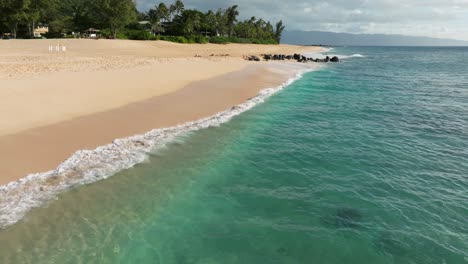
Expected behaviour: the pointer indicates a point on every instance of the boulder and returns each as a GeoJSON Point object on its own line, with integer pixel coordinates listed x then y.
{"type": "Point", "coordinates": [253, 58]}
{"type": "Point", "coordinates": [335, 59]}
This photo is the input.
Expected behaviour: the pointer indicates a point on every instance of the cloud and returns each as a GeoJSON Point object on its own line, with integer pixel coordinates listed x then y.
{"type": "Point", "coordinates": [434, 18]}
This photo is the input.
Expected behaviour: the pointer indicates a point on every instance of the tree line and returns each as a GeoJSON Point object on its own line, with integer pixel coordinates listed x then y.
{"type": "Point", "coordinates": [121, 19]}
{"type": "Point", "coordinates": [20, 17]}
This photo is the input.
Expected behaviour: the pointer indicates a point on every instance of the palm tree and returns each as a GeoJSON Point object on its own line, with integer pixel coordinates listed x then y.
{"type": "Point", "coordinates": [231, 18]}
{"type": "Point", "coordinates": [220, 22]}
{"type": "Point", "coordinates": [172, 11]}
{"type": "Point", "coordinates": [279, 31]}
{"type": "Point", "coordinates": [156, 15]}
{"type": "Point", "coordinates": [197, 23]}
{"type": "Point", "coordinates": [163, 12]}
{"type": "Point", "coordinates": [152, 15]}
{"type": "Point", "coordinates": [210, 22]}
{"type": "Point", "coordinates": [192, 22]}
{"type": "Point", "coordinates": [179, 7]}
{"type": "Point", "coordinates": [157, 28]}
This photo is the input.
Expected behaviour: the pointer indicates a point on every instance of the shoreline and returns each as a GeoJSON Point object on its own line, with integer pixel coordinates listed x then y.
{"type": "Point", "coordinates": [46, 117]}
{"type": "Point", "coordinates": [89, 166]}
{"type": "Point", "coordinates": [96, 76]}
{"type": "Point", "coordinates": [41, 161]}
{"type": "Point", "coordinates": [43, 148]}
{"type": "Point", "coordinates": [62, 96]}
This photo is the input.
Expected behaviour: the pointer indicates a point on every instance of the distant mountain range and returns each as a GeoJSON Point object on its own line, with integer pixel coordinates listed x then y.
{"type": "Point", "coordinates": [346, 39]}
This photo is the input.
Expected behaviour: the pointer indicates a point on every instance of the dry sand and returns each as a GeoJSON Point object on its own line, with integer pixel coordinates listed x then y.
{"type": "Point", "coordinates": [53, 104]}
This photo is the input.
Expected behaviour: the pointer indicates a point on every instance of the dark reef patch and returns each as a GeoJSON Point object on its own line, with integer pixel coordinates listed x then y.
{"type": "Point", "coordinates": [283, 251]}
{"type": "Point", "coordinates": [386, 243]}
{"type": "Point", "coordinates": [344, 218]}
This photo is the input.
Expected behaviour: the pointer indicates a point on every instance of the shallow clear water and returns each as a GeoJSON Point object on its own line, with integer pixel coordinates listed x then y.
{"type": "Point", "coordinates": [365, 161]}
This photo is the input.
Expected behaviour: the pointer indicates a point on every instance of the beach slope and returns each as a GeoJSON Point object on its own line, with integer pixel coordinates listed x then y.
{"type": "Point", "coordinates": [56, 103]}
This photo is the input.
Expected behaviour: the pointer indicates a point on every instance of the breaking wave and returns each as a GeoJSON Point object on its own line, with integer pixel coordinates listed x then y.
{"type": "Point", "coordinates": [341, 57]}
{"type": "Point", "coordinates": [89, 166]}
{"type": "Point", "coordinates": [329, 52]}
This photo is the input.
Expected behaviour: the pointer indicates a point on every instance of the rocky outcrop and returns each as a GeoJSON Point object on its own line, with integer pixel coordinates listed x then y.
{"type": "Point", "coordinates": [253, 58]}
{"type": "Point", "coordinates": [296, 57]}
{"type": "Point", "coordinates": [335, 59]}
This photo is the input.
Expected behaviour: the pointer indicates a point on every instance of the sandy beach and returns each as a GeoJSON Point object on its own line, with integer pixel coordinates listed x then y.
{"type": "Point", "coordinates": [54, 104]}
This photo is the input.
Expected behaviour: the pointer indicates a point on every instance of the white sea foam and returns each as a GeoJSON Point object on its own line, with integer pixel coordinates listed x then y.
{"type": "Point", "coordinates": [328, 52]}
{"type": "Point", "coordinates": [88, 166]}
{"type": "Point", "coordinates": [354, 56]}
{"type": "Point", "coordinates": [340, 56]}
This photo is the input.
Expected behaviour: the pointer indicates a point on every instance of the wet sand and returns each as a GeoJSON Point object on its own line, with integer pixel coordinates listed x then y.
{"type": "Point", "coordinates": [56, 104]}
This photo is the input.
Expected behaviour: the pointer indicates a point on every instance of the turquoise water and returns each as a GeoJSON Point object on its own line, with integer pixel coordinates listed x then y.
{"type": "Point", "coordinates": [365, 161]}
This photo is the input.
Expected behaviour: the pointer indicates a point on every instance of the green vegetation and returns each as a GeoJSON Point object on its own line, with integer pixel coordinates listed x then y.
{"type": "Point", "coordinates": [120, 19]}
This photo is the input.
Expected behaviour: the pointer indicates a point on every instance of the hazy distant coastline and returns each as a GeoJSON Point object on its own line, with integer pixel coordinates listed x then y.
{"type": "Point", "coordinates": [323, 38]}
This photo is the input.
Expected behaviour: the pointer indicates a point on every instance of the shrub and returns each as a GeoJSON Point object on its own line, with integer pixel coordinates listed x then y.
{"type": "Point", "coordinates": [201, 39]}
{"type": "Point", "coordinates": [181, 39]}
{"type": "Point", "coordinates": [138, 34]}
{"type": "Point", "coordinates": [264, 41]}
{"type": "Point", "coordinates": [177, 39]}
{"type": "Point", "coordinates": [105, 33]}
{"type": "Point", "coordinates": [240, 40]}
{"type": "Point", "coordinates": [120, 35]}
{"type": "Point", "coordinates": [219, 40]}
{"type": "Point", "coordinates": [53, 35]}
{"type": "Point", "coordinates": [225, 40]}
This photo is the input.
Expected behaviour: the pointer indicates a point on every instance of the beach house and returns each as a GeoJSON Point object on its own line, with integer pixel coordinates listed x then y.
{"type": "Point", "coordinates": [92, 33]}
{"type": "Point", "coordinates": [40, 31]}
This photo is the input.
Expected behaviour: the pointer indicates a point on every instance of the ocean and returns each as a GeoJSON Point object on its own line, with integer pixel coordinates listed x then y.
{"type": "Point", "coordinates": [363, 161]}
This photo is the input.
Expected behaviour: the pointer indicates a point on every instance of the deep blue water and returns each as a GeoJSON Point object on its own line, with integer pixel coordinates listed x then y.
{"type": "Point", "coordinates": [365, 161]}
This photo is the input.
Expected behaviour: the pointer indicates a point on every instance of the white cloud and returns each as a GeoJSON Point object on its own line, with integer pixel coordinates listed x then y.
{"type": "Point", "coordinates": [434, 18]}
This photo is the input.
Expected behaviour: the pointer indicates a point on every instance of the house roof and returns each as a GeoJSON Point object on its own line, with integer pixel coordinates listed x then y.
{"type": "Point", "coordinates": [41, 30]}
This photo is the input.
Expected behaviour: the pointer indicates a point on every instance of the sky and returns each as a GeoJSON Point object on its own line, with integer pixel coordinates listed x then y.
{"type": "Point", "coordinates": [431, 18]}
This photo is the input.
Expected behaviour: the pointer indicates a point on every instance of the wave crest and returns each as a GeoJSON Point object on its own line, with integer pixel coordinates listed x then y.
{"type": "Point", "coordinates": [322, 55]}
{"type": "Point", "coordinates": [343, 57]}
{"type": "Point", "coordinates": [88, 166]}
